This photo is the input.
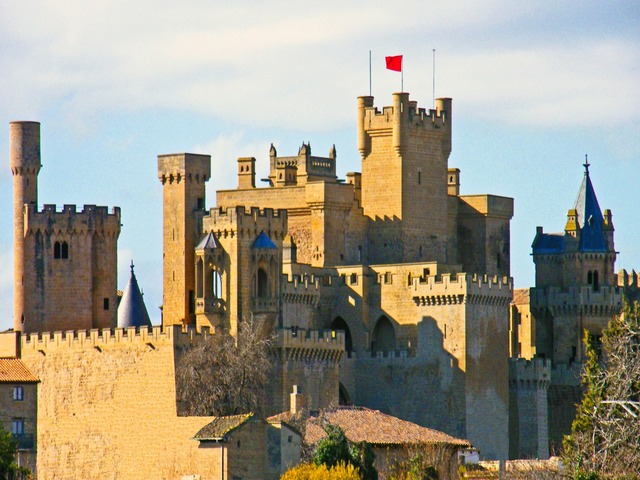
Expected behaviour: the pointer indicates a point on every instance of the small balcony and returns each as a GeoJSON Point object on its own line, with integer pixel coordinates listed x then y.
{"type": "Point", "coordinates": [210, 305]}
{"type": "Point", "coordinates": [265, 304]}
{"type": "Point", "coordinates": [25, 441]}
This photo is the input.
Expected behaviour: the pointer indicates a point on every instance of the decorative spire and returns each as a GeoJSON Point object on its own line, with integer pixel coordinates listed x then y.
{"type": "Point", "coordinates": [586, 165]}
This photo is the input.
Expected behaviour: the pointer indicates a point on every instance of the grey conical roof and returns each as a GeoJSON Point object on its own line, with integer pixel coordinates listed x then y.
{"type": "Point", "coordinates": [132, 312]}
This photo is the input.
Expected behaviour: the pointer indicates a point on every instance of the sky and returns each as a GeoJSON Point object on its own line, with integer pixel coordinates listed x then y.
{"type": "Point", "coordinates": [535, 85]}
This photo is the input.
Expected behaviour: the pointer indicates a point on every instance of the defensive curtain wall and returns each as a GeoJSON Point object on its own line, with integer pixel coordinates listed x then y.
{"type": "Point", "coordinates": [107, 398]}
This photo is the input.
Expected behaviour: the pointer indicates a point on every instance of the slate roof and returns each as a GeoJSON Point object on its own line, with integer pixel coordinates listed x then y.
{"type": "Point", "coordinates": [219, 427]}
{"type": "Point", "coordinates": [548, 243]}
{"type": "Point", "coordinates": [12, 370]}
{"type": "Point", "coordinates": [363, 424]}
{"type": "Point", "coordinates": [263, 241]}
{"type": "Point", "coordinates": [132, 311]}
{"type": "Point", "coordinates": [589, 217]}
{"type": "Point", "coordinates": [208, 242]}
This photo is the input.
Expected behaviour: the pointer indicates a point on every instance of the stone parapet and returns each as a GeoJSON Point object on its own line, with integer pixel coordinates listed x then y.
{"type": "Point", "coordinates": [534, 373]}
{"type": "Point", "coordinates": [91, 219]}
{"type": "Point", "coordinates": [310, 345]}
{"type": "Point", "coordinates": [604, 301]}
{"type": "Point", "coordinates": [98, 338]}
{"type": "Point", "coordinates": [462, 288]}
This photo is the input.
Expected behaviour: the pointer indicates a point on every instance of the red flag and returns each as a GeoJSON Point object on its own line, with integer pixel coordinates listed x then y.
{"type": "Point", "coordinates": [394, 63]}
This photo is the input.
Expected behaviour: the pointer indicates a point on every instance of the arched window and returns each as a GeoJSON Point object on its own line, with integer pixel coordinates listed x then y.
{"type": "Point", "coordinates": [340, 324]}
{"type": "Point", "coordinates": [216, 284]}
{"type": "Point", "coordinates": [60, 250]}
{"type": "Point", "coordinates": [56, 250]}
{"type": "Point", "coordinates": [596, 285]}
{"type": "Point", "coordinates": [384, 336]}
{"type": "Point", "coordinates": [590, 278]}
{"type": "Point", "coordinates": [199, 279]}
{"type": "Point", "coordinates": [263, 284]}
{"type": "Point", "coordinates": [65, 250]}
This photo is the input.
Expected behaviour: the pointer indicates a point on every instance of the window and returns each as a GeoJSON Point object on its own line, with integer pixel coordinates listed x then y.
{"type": "Point", "coordinates": [263, 284]}
{"type": "Point", "coordinates": [105, 304]}
{"type": "Point", "coordinates": [60, 250]}
{"type": "Point", "coordinates": [354, 279]}
{"type": "Point", "coordinates": [17, 426]}
{"type": "Point", "coordinates": [18, 394]}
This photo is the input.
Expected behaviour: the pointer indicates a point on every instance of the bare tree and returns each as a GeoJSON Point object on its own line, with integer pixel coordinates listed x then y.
{"type": "Point", "coordinates": [223, 375]}
{"type": "Point", "coordinates": [605, 436]}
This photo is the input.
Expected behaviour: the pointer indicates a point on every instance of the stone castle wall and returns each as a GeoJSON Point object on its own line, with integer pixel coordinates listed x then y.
{"type": "Point", "coordinates": [107, 399]}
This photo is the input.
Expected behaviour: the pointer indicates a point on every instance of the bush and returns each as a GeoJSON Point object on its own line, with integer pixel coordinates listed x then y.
{"type": "Point", "coordinates": [310, 471]}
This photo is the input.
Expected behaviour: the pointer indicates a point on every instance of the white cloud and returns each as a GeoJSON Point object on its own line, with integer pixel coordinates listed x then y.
{"type": "Point", "coordinates": [218, 58]}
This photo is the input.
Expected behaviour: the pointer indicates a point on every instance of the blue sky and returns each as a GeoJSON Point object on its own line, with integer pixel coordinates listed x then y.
{"type": "Point", "coordinates": [535, 87]}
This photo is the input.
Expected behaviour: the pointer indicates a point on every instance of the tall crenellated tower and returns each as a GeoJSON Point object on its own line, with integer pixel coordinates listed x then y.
{"type": "Point", "coordinates": [24, 159]}
{"type": "Point", "coordinates": [65, 261]}
{"type": "Point", "coordinates": [183, 177]}
{"type": "Point", "coordinates": [405, 152]}
{"type": "Point", "coordinates": [238, 265]}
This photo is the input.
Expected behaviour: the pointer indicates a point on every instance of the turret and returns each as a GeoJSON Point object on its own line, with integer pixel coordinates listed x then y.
{"type": "Point", "coordinates": [24, 159]}
{"type": "Point", "coordinates": [183, 177]}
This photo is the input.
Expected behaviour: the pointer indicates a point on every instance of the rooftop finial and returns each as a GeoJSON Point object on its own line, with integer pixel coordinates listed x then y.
{"type": "Point", "coordinates": [586, 164]}
{"type": "Point", "coordinates": [131, 267]}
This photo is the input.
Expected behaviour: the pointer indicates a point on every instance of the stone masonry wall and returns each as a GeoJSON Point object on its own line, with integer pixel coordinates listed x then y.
{"type": "Point", "coordinates": [107, 409]}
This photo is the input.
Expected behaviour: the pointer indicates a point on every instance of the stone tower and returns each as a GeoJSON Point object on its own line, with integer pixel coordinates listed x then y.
{"type": "Point", "coordinates": [183, 178]}
{"type": "Point", "coordinates": [65, 261]}
{"type": "Point", "coordinates": [24, 159]}
{"type": "Point", "coordinates": [405, 152]}
{"type": "Point", "coordinates": [238, 267]}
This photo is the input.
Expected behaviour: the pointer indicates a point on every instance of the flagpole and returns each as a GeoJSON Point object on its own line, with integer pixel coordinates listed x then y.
{"type": "Point", "coordinates": [434, 78]}
{"type": "Point", "coordinates": [369, 72]}
{"type": "Point", "coordinates": [402, 79]}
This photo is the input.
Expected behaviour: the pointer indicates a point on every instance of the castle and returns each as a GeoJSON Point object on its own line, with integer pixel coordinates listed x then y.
{"type": "Point", "coordinates": [389, 290]}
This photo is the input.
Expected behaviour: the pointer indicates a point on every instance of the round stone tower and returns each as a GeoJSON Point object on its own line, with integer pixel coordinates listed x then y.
{"type": "Point", "coordinates": [24, 159]}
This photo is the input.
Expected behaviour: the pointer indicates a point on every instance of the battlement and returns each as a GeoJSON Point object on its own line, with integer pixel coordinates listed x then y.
{"type": "Point", "coordinates": [109, 337]}
{"type": "Point", "coordinates": [563, 374]}
{"type": "Point", "coordinates": [91, 218]}
{"type": "Point", "coordinates": [628, 279]}
{"type": "Point", "coordinates": [427, 118]}
{"type": "Point", "coordinates": [299, 344]}
{"type": "Point", "coordinates": [606, 299]}
{"type": "Point", "coordinates": [462, 288]}
{"type": "Point", "coordinates": [179, 166]}
{"type": "Point", "coordinates": [237, 214]}
{"type": "Point", "coordinates": [529, 373]}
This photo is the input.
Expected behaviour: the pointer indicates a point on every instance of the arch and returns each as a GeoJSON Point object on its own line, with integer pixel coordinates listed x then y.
{"type": "Point", "coordinates": [340, 324]}
{"type": "Point", "coordinates": [199, 275]}
{"type": "Point", "coordinates": [343, 395]}
{"type": "Point", "coordinates": [262, 283]}
{"type": "Point", "coordinates": [56, 250]}
{"type": "Point", "coordinates": [384, 336]}
{"type": "Point", "coordinates": [216, 284]}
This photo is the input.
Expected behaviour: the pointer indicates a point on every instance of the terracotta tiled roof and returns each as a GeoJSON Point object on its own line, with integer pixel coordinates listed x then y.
{"type": "Point", "coordinates": [221, 426]}
{"type": "Point", "coordinates": [520, 296]}
{"type": "Point", "coordinates": [12, 370]}
{"type": "Point", "coordinates": [362, 424]}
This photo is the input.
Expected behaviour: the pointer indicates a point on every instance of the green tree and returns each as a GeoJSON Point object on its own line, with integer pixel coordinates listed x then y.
{"type": "Point", "coordinates": [335, 449]}
{"type": "Point", "coordinates": [605, 436]}
{"type": "Point", "coordinates": [9, 469]}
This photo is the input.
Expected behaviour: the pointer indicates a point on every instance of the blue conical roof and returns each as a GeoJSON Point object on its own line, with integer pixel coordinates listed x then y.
{"type": "Point", "coordinates": [263, 241]}
{"type": "Point", "coordinates": [589, 216]}
{"type": "Point", "coordinates": [132, 311]}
